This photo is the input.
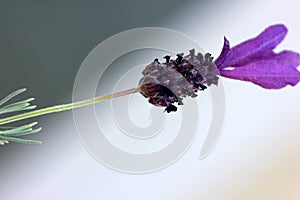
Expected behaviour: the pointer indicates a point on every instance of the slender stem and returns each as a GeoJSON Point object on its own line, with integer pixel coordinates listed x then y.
{"type": "Point", "coordinates": [64, 107]}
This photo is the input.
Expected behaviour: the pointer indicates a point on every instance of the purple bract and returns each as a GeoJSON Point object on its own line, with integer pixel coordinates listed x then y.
{"type": "Point", "coordinates": [255, 61]}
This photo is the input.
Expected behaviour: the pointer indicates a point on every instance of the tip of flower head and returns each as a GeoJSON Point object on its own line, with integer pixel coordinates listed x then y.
{"type": "Point", "coordinates": [171, 108]}
{"type": "Point", "coordinates": [226, 41]}
{"type": "Point", "coordinates": [167, 83]}
{"type": "Point", "coordinates": [221, 61]}
{"type": "Point", "coordinates": [167, 57]}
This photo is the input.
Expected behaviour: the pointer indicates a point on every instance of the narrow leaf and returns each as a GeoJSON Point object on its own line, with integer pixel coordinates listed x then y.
{"type": "Point", "coordinates": [18, 106]}
{"type": "Point", "coordinates": [27, 127]}
{"type": "Point", "coordinates": [12, 95]}
{"type": "Point", "coordinates": [19, 140]}
{"type": "Point", "coordinates": [22, 133]}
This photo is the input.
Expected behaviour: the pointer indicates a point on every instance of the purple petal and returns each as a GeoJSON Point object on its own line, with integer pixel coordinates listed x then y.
{"type": "Point", "coordinates": [257, 47]}
{"type": "Point", "coordinates": [274, 72]}
{"type": "Point", "coordinates": [224, 56]}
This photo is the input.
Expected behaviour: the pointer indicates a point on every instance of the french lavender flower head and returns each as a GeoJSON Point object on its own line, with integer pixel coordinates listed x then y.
{"type": "Point", "coordinates": [166, 84]}
{"type": "Point", "coordinates": [169, 82]}
{"type": "Point", "coordinates": [254, 60]}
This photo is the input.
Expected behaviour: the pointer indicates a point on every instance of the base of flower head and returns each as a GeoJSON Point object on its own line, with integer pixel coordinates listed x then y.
{"type": "Point", "coordinates": [169, 82]}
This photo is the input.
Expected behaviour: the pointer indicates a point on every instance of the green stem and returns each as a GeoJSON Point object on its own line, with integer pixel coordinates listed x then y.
{"type": "Point", "coordinates": [64, 107]}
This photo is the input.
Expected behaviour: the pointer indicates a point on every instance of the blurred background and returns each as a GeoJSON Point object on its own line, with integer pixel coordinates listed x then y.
{"type": "Point", "coordinates": [42, 45]}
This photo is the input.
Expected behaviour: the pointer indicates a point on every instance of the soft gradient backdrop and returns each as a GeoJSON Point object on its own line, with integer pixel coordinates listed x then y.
{"type": "Point", "coordinates": [42, 45]}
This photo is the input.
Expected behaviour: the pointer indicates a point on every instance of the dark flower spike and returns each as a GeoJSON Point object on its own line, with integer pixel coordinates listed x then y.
{"type": "Point", "coordinates": [168, 83]}
{"type": "Point", "coordinates": [255, 61]}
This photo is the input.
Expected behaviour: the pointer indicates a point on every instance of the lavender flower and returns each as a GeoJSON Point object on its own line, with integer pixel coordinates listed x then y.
{"type": "Point", "coordinates": [169, 82]}
{"type": "Point", "coordinates": [253, 60]}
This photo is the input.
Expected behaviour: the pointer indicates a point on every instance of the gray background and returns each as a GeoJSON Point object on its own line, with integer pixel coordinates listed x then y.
{"type": "Point", "coordinates": [43, 43]}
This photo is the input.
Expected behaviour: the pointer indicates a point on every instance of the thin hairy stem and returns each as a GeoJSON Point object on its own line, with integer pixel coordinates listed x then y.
{"type": "Point", "coordinates": [64, 107]}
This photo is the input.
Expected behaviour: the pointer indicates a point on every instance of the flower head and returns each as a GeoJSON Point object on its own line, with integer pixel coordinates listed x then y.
{"type": "Point", "coordinates": [169, 82]}
{"type": "Point", "coordinates": [253, 60]}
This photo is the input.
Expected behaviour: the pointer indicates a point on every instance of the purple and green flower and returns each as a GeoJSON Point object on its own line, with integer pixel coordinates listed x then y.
{"type": "Point", "coordinates": [166, 84]}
